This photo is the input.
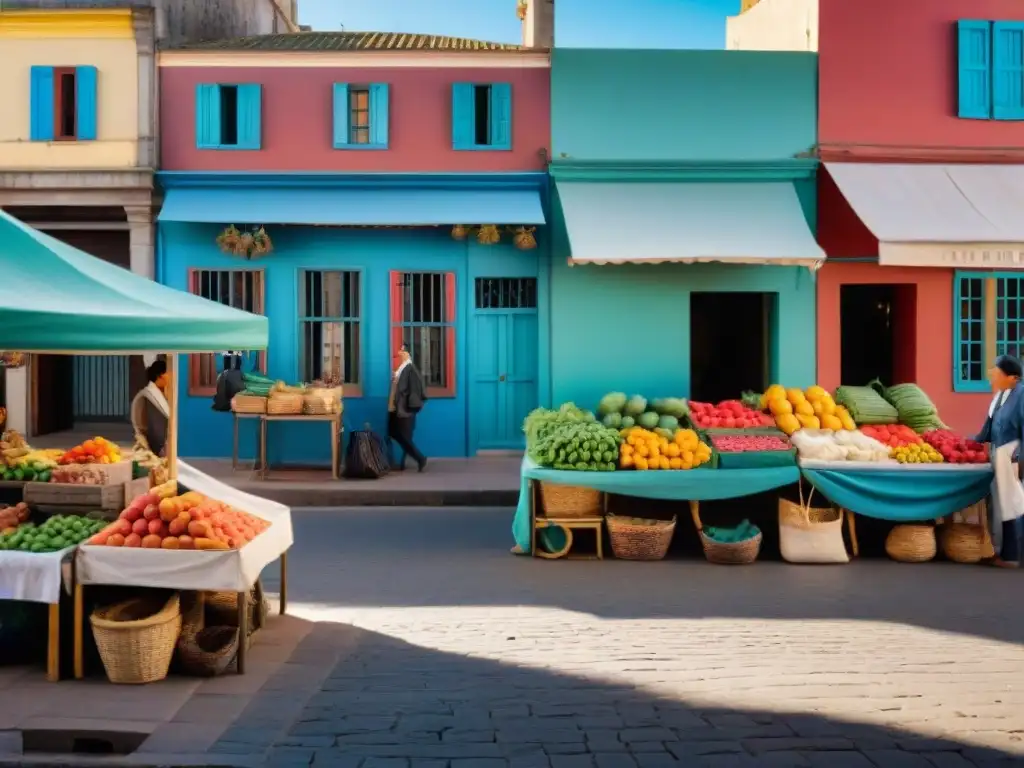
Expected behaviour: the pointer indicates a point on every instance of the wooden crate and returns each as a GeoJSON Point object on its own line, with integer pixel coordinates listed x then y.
{"type": "Point", "coordinates": [106, 497]}
{"type": "Point", "coordinates": [115, 474]}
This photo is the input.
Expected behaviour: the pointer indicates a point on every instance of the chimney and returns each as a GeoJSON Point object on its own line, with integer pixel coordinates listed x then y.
{"type": "Point", "coordinates": [538, 18]}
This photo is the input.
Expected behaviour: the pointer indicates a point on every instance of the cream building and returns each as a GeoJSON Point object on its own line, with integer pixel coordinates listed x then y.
{"type": "Point", "coordinates": [773, 25]}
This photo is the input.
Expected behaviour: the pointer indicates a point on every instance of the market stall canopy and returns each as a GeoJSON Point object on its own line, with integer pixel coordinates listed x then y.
{"type": "Point", "coordinates": [938, 215]}
{"type": "Point", "coordinates": [58, 298]}
{"type": "Point", "coordinates": [656, 222]}
{"type": "Point", "coordinates": [352, 206]}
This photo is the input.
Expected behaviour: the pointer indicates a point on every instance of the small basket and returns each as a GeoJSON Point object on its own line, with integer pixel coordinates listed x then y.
{"type": "Point", "coordinates": [136, 638]}
{"type": "Point", "coordinates": [208, 652]}
{"type": "Point", "coordinates": [285, 404]}
{"type": "Point", "coordinates": [321, 400]}
{"type": "Point", "coordinates": [241, 403]}
{"type": "Point", "coordinates": [722, 553]}
{"type": "Point", "coordinates": [570, 500]}
{"type": "Point", "coordinates": [911, 543]}
{"type": "Point", "coordinates": [633, 541]}
{"type": "Point", "coordinates": [221, 608]}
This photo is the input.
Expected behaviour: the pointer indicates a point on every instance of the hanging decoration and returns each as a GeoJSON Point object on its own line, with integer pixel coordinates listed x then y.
{"type": "Point", "coordinates": [523, 238]}
{"type": "Point", "coordinates": [247, 244]}
{"type": "Point", "coordinates": [521, 9]}
{"type": "Point", "coordinates": [488, 234]}
{"type": "Point", "coordinates": [460, 232]}
{"type": "Point", "coordinates": [13, 360]}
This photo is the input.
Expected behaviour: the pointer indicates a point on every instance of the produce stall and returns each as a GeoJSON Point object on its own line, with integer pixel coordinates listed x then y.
{"type": "Point", "coordinates": [59, 300]}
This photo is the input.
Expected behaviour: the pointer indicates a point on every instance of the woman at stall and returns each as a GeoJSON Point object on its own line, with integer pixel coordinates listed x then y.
{"type": "Point", "coordinates": [1004, 429]}
{"type": "Point", "coordinates": [150, 410]}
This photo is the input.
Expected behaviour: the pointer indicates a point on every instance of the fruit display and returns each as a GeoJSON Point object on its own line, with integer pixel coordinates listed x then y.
{"type": "Point", "coordinates": [917, 453]}
{"type": "Point", "coordinates": [844, 445]}
{"type": "Point", "coordinates": [189, 521]}
{"type": "Point", "coordinates": [579, 445]}
{"type": "Point", "coordinates": [913, 407]}
{"type": "Point", "coordinates": [541, 422]}
{"type": "Point", "coordinates": [19, 462]}
{"type": "Point", "coordinates": [892, 435]}
{"type": "Point", "coordinates": [98, 450]}
{"type": "Point", "coordinates": [57, 533]}
{"type": "Point", "coordinates": [645, 449]}
{"type": "Point", "coordinates": [728, 414]}
{"type": "Point", "coordinates": [12, 517]}
{"type": "Point", "coordinates": [749, 443]}
{"type": "Point", "coordinates": [77, 475]}
{"type": "Point", "coordinates": [866, 406]}
{"type": "Point", "coordinates": [745, 531]}
{"type": "Point", "coordinates": [956, 449]}
{"type": "Point", "coordinates": [795, 409]}
{"type": "Point", "coordinates": [619, 412]}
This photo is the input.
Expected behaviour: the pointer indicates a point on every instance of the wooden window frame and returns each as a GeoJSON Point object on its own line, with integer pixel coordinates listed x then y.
{"type": "Point", "coordinates": [353, 389]}
{"type": "Point", "coordinates": [991, 346]}
{"type": "Point", "coordinates": [197, 388]}
{"type": "Point", "coordinates": [58, 103]}
{"type": "Point", "coordinates": [399, 324]}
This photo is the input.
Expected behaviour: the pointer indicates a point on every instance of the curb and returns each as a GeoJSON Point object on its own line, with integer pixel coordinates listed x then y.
{"type": "Point", "coordinates": [383, 497]}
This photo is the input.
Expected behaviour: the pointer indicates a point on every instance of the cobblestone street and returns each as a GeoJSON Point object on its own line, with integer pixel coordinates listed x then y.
{"type": "Point", "coordinates": [433, 645]}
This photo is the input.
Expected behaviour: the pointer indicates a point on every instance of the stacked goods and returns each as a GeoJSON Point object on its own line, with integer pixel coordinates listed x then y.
{"type": "Point", "coordinates": [541, 422]}
{"type": "Point", "coordinates": [892, 435]}
{"type": "Point", "coordinates": [737, 451]}
{"type": "Point", "coordinates": [19, 462]}
{"type": "Point", "coordinates": [96, 451]}
{"type": "Point", "coordinates": [257, 385]}
{"type": "Point", "coordinates": [77, 475]}
{"type": "Point", "coordinates": [955, 449]}
{"type": "Point", "coordinates": [577, 445]}
{"type": "Point", "coordinates": [189, 521]}
{"type": "Point", "coordinates": [917, 453]}
{"type": "Point", "coordinates": [619, 412]}
{"type": "Point", "coordinates": [728, 414]}
{"type": "Point", "coordinates": [795, 409]}
{"type": "Point", "coordinates": [866, 406]}
{"type": "Point", "coordinates": [644, 449]}
{"type": "Point", "coordinates": [746, 443]}
{"type": "Point", "coordinates": [912, 406]}
{"type": "Point", "coordinates": [844, 445]}
{"type": "Point", "coordinates": [57, 533]}
{"type": "Point", "coordinates": [12, 517]}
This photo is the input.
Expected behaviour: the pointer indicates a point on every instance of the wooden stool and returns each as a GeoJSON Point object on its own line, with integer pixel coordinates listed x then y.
{"type": "Point", "coordinates": [569, 524]}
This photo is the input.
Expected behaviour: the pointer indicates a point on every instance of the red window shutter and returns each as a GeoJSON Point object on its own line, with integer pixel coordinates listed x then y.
{"type": "Point", "coordinates": [397, 310]}
{"type": "Point", "coordinates": [449, 332]}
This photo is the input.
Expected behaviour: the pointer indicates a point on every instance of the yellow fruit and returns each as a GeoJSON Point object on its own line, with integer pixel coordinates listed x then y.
{"type": "Point", "coordinates": [625, 461]}
{"type": "Point", "coordinates": [775, 392]}
{"type": "Point", "coordinates": [788, 423]}
{"type": "Point", "coordinates": [816, 408]}
{"type": "Point", "coordinates": [828, 405]}
{"type": "Point", "coordinates": [831, 422]}
{"type": "Point", "coordinates": [763, 404]}
{"type": "Point", "coordinates": [795, 396]}
{"type": "Point", "coordinates": [780, 407]}
{"type": "Point", "coordinates": [675, 463]}
{"type": "Point", "coordinates": [845, 418]}
{"type": "Point", "coordinates": [808, 422]}
{"type": "Point", "coordinates": [641, 462]}
{"type": "Point", "coordinates": [665, 463]}
{"type": "Point", "coordinates": [816, 393]}
{"type": "Point", "coordinates": [804, 408]}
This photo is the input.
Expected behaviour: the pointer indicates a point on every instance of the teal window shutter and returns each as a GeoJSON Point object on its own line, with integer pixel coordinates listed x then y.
{"type": "Point", "coordinates": [341, 116]}
{"type": "Point", "coordinates": [250, 111]}
{"type": "Point", "coordinates": [85, 98]}
{"type": "Point", "coordinates": [379, 115]}
{"type": "Point", "coordinates": [41, 108]}
{"type": "Point", "coordinates": [207, 116]}
{"type": "Point", "coordinates": [463, 103]}
{"type": "Point", "coordinates": [975, 69]}
{"type": "Point", "coordinates": [501, 116]}
{"type": "Point", "coordinates": [1008, 70]}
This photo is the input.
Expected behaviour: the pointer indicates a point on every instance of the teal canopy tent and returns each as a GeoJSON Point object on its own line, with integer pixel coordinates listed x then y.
{"type": "Point", "coordinates": [55, 298]}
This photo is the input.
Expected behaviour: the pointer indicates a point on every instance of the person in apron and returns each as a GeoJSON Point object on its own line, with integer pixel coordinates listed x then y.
{"type": "Point", "coordinates": [1004, 430]}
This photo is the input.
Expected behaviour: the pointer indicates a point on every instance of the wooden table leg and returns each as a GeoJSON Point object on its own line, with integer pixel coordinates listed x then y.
{"type": "Point", "coordinates": [263, 449]}
{"type": "Point", "coordinates": [695, 514]}
{"type": "Point", "coordinates": [243, 630]}
{"type": "Point", "coordinates": [283, 599]}
{"type": "Point", "coordinates": [234, 449]}
{"type": "Point", "coordinates": [53, 644]}
{"type": "Point", "coordinates": [79, 626]}
{"type": "Point", "coordinates": [852, 526]}
{"type": "Point", "coordinates": [334, 449]}
{"type": "Point", "coordinates": [600, 541]}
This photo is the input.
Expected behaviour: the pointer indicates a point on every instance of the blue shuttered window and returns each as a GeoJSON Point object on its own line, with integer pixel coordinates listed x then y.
{"type": "Point", "coordinates": [85, 97]}
{"type": "Point", "coordinates": [1008, 70]}
{"type": "Point", "coordinates": [975, 69]}
{"type": "Point", "coordinates": [63, 103]}
{"type": "Point", "coordinates": [229, 116]}
{"type": "Point", "coordinates": [41, 110]}
{"type": "Point", "coordinates": [361, 116]}
{"type": "Point", "coordinates": [481, 116]}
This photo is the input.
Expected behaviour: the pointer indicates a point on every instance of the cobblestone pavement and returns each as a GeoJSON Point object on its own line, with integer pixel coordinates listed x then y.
{"type": "Point", "coordinates": [434, 648]}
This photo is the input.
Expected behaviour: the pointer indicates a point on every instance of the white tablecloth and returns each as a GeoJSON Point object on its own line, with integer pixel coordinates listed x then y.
{"type": "Point", "coordinates": [855, 466]}
{"type": "Point", "coordinates": [35, 577]}
{"type": "Point", "coordinates": [233, 570]}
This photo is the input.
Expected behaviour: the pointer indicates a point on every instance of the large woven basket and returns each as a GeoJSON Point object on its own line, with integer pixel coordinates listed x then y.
{"type": "Point", "coordinates": [911, 543]}
{"type": "Point", "coordinates": [570, 500]}
{"type": "Point", "coordinates": [721, 553]}
{"type": "Point", "coordinates": [321, 401]}
{"type": "Point", "coordinates": [284, 404]}
{"type": "Point", "coordinates": [810, 534]}
{"type": "Point", "coordinates": [242, 403]}
{"type": "Point", "coordinates": [635, 539]}
{"type": "Point", "coordinates": [208, 652]}
{"type": "Point", "coordinates": [136, 638]}
{"type": "Point", "coordinates": [222, 608]}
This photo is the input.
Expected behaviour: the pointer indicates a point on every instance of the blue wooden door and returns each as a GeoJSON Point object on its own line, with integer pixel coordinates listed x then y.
{"type": "Point", "coordinates": [502, 362]}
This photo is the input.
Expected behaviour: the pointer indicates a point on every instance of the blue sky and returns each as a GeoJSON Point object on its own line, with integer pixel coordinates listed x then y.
{"type": "Point", "coordinates": [578, 23]}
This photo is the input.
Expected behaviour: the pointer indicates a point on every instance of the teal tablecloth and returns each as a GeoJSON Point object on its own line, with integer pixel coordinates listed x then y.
{"type": "Point", "coordinates": [901, 496]}
{"type": "Point", "coordinates": [679, 485]}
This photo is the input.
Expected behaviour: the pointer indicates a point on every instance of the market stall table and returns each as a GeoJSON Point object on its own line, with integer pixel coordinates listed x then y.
{"type": "Point", "coordinates": [334, 419]}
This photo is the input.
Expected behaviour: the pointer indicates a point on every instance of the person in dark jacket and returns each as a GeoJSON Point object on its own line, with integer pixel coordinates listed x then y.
{"type": "Point", "coordinates": [150, 411]}
{"type": "Point", "coordinates": [405, 401]}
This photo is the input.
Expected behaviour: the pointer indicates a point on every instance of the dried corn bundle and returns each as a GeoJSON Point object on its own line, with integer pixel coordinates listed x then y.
{"type": "Point", "coordinates": [865, 405]}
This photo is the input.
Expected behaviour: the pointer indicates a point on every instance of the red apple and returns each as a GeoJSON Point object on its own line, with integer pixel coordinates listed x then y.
{"type": "Point", "coordinates": [152, 512]}
{"type": "Point", "coordinates": [140, 527]}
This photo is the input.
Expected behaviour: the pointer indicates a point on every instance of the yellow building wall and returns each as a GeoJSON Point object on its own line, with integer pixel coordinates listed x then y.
{"type": "Point", "coordinates": [103, 39]}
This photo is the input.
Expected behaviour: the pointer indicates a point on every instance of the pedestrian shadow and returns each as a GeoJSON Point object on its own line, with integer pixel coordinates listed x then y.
{"type": "Point", "coordinates": [380, 701]}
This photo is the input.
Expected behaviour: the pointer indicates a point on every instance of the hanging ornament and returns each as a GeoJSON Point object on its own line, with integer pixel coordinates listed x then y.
{"type": "Point", "coordinates": [521, 10]}
{"type": "Point", "coordinates": [460, 232]}
{"type": "Point", "coordinates": [523, 238]}
{"type": "Point", "coordinates": [245, 244]}
{"type": "Point", "coordinates": [488, 234]}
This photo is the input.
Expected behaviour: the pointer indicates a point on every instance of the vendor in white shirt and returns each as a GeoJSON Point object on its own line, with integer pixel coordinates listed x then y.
{"type": "Point", "coordinates": [150, 411]}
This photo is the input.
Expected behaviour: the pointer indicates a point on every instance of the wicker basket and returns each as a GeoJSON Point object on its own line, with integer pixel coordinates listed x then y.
{"type": "Point", "coordinates": [222, 608]}
{"type": "Point", "coordinates": [243, 403]}
{"type": "Point", "coordinates": [634, 541]}
{"type": "Point", "coordinates": [570, 500]}
{"type": "Point", "coordinates": [284, 404]}
{"type": "Point", "coordinates": [911, 543]}
{"type": "Point", "coordinates": [720, 553]}
{"type": "Point", "coordinates": [209, 651]}
{"type": "Point", "coordinates": [810, 535]}
{"type": "Point", "coordinates": [321, 401]}
{"type": "Point", "coordinates": [136, 638]}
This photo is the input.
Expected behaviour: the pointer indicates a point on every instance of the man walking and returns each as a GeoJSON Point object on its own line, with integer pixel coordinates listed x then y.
{"type": "Point", "coordinates": [406, 400]}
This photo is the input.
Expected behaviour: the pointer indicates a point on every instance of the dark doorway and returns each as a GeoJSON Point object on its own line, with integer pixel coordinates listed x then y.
{"type": "Point", "coordinates": [731, 338]}
{"type": "Point", "coordinates": [877, 333]}
{"type": "Point", "coordinates": [53, 402]}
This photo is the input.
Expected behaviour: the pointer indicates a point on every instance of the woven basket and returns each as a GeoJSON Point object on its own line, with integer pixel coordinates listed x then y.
{"type": "Point", "coordinates": [911, 543]}
{"type": "Point", "coordinates": [811, 535]}
{"type": "Point", "coordinates": [136, 638]}
{"type": "Point", "coordinates": [222, 608]}
{"type": "Point", "coordinates": [570, 500]}
{"type": "Point", "coordinates": [209, 651]}
{"type": "Point", "coordinates": [631, 541]}
{"type": "Point", "coordinates": [738, 553]}
{"type": "Point", "coordinates": [248, 404]}
{"type": "Point", "coordinates": [322, 400]}
{"type": "Point", "coordinates": [284, 404]}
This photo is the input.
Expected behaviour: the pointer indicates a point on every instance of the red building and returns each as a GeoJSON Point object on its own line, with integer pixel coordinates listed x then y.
{"type": "Point", "coordinates": [921, 196]}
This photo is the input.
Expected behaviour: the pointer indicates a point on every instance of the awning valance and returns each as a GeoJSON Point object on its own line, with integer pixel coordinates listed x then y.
{"type": "Point", "coordinates": [938, 215]}
{"type": "Point", "coordinates": [352, 206]}
{"type": "Point", "coordinates": [686, 222]}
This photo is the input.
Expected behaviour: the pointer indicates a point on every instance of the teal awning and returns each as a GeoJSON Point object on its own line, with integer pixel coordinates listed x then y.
{"type": "Point", "coordinates": [352, 206]}
{"type": "Point", "coordinates": [687, 222]}
{"type": "Point", "coordinates": [55, 298]}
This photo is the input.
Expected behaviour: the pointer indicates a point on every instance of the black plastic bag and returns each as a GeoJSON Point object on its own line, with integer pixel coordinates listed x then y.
{"type": "Point", "coordinates": [365, 458]}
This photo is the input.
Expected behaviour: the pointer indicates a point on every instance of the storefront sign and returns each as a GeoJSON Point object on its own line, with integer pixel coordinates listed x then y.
{"type": "Point", "coordinates": [952, 255]}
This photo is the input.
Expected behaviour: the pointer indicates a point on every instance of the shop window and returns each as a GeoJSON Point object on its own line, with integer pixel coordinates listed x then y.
{"type": "Point", "coordinates": [63, 103]}
{"type": "Point", "coordinates": [360, 116]}
{"type": "Point", "coordinates": [988, 322]}
{"type": "Point", "coordinates": [482, 116]}
{"type": "Point", "coordinates": [238, 288]}
{"type": "Point", "coordinates": [228, 116]}
{"type": "Point", "coordinates": [990, 70]}
{"type": "Point", "coordinates": [423, 319]}
{"type": "Point", "coordinates": [506, 293]}
{"type": "Point", "coordinates": [330, 311]}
